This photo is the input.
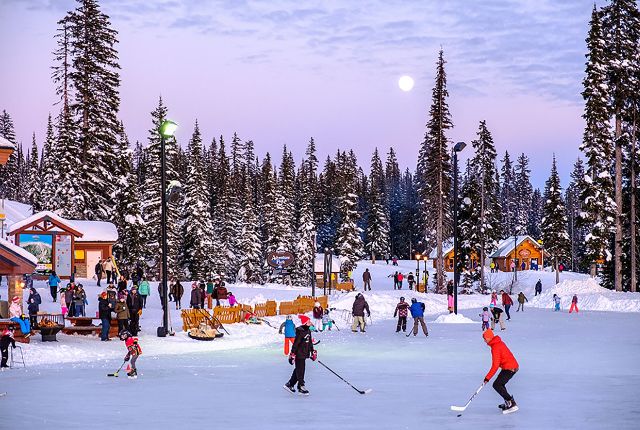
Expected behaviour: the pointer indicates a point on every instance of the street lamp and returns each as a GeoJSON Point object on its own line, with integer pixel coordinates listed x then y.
{"type": "Point", "coordinates": [457, 148]}
{"type": "Point", "coordinates": [418, 257]}
{"type": "Point", "coordinates": [167, 129]}
{"type": "Point", "coordinates": [425, 258]}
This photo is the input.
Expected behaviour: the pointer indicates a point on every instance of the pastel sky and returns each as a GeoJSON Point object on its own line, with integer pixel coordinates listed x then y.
{"type": "Point", "coordinates": [280, 71]}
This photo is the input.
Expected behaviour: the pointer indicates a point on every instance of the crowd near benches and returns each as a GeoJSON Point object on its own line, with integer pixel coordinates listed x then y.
{"type": "Point", "coordinates": [192, 318]}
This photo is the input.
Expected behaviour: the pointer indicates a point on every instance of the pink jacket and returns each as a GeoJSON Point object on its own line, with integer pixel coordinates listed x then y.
{"type": "Point", "coordinates": [232, 300]}
{"type": "Point", "coordinates": [15, 311]}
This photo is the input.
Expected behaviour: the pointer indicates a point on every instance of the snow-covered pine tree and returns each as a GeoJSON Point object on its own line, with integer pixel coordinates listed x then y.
{"type": "Point", "coordinates": [508, 196]}
{"type": "Point", "coordinates": [621, 29]}
{"type": "Point", "coordinates": [21, 177]}
{"type": "Point", "coordinates": [9, 172]}
{"type": "Point", "coordinates": [348, 244]}
{"type": "Point", "coordinates": [47, 169]}
{"type": "Point", "coordinates": [409, 230]}
{"type": "Point", "coordinates": [220, 232]}
{"type": "Point", "coordinates": [434, 171]}
{"type": "Point", "coordinates": [234, 201]}
{"type": "Point", "coordinates": [481, 230]}
{"type": "Point", "coordinates": [554, 221]}
{"type": "Point", "coordinates": [95, 80]}
{"type": "Point", "coordinates": [129, 250]}
{"type": "Point", "coordinates": [523, 192]}
{"type": "Point", "coordinates": [576, 232]}
{"type": "Point", "coordinates": [197, 224]}
{"type": "Point", "coordinates": [394, 199]}
{"type": "Point", "coordinates": [535, 215]}
{"type": "Point", "coordinates": [377, 233]}
{"type": "Point", "coordinates": [286, 200]}
{"type": "Point", "coordinates": [33, 177]}
{"type": "Point", "coordinates": [328, 196]}
{"type": "Point", "coordinates": [306, 230]}
{"type": "Point", "coordinates": [249, 246]}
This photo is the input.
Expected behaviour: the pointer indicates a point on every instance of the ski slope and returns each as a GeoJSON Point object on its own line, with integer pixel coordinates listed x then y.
{"type": "Point", "coordinates": [577, 370]}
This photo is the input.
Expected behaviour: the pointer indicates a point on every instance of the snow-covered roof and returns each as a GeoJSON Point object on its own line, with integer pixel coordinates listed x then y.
{"type": "Point", "coordinates": [38, 216]}
{"type": "Point", "coordinates": [506, 246]}
{"type": "Point", "coordinates": [447, 246]}
{"type": "Point", "coordinates": [319, 264]}
{"type": "Point", "coordinates": [96, 231]}
{"type": "Point", "coordinates": [19, 251]}
{"type": "Point", "coordinates": [15, 211]}
{"type": "Point", "coordinates": [4, 143]}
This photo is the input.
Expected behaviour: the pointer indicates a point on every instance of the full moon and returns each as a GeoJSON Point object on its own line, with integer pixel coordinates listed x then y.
{"type": "Point", "coordinates": [405, 83]}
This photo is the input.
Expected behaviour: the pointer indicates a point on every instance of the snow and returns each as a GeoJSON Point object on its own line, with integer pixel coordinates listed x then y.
{"type": "Point", "coordinates": [96, 231]}
{"type": "Point", "coordinates": [28, 220]}
{"type": "Point", "coordinates": [4, 143]}
{"type": "Point", "coordinates": [506, 246]}
{"type": "Point", "coordinates": [447, 246]}
{"type": "Point", "coordinates": [17, 250]}
{"type": "Point", "coordinates": [414, 379]}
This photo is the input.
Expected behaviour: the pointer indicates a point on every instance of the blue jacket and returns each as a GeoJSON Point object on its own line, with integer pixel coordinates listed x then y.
{"type": "Point", "coordinates": [417, 309]}
{"type": "Point", "coordinates": [289, 329]}
{"type": "Point", "coordinates": [53, 281]}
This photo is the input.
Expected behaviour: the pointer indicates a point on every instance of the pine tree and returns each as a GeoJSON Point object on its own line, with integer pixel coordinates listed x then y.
{"type": "Point", "coordinates": [434, 170]}
{"type": "Point", "coordinates": [554, 220]}
{"type": "Point", "coordinates": [285, 200]}
{"type": "Point", "coordinates": [9, 173]}
{"type": "Point", "coordinates": [394, 199]}
{"type": "Point", "coordinates": [377, 244]}
{"type": "Point", "coordinates": [197, 223]}
{"type": "Point", "coordinates": [508, 196]}
{"type": "Point", "coordinates": [577, 233]}
{"type": "Point", "coordinates": [95, 103]}
{"type": "Point", "coordinates": [34, 177]}
{"type": "Point", "coordinates": [523, 191]}
{"type": "Point", "coordinates": [535, 215]}
{"type": "Point", "coordinates": [481, 226]}
{"type": "Point", "coordinates": [48, 169]}
{"type": "Point", "coordinates": [220, 231]}
{"type": "Point", "coordinates": [328, 198]}
{"type": "Point", "coordinates": [306, 231]}
{"type": "Point", "coordinates": [599, 208]}
{"type": "Point", "coordinates": [348, 243]}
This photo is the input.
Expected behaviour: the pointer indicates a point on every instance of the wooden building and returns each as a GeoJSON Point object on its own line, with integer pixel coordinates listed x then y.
{"type": "Point", "coordinates": [522, 249]}
{"type": "Point", "coordinates": [448, 256]}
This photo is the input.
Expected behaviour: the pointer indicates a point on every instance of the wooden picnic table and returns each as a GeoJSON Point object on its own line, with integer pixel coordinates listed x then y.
{"type": "Point", "coordinates": [85, 326]}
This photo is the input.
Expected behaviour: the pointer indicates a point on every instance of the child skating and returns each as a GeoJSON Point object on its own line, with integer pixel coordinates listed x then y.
{"type": "Point", "coordinates": [133, 352]}
{"type": "Point", "coordinates": [327, 322]}
{"type": "Point", "coordinates": [521, 300]}
{"type": "Point", "coordinates": [301, 350]}
{"type": "Point", "coordinates": [501, 358]}
{"type": "Point", "coordinates": [402, 311]}
{"type": "Point", "coordinates": [289, 333]}
{"type": "Point", "coordinates": [574, 304]}
{"type": "Point", "coordinates": [486, 316]}
{"type": "Point", "coordinates": [556, 303]}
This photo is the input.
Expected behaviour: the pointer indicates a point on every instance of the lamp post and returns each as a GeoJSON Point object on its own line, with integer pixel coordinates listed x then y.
{"type": "Point", "coordinates": [166, 129]}
{"type": "Point", "coordinates": [457, 148]}
{"type": "Point", "coordinates": [418, 256]}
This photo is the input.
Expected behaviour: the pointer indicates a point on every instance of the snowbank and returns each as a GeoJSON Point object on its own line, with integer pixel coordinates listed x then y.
{"type": "Point", "coordinates": [591, 296]}
{"type": "Point", "coordinates": [453, 319]}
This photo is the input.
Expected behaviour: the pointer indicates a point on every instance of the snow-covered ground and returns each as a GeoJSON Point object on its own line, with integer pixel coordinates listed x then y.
{"type": "Point", "coordinates": [577, 371]}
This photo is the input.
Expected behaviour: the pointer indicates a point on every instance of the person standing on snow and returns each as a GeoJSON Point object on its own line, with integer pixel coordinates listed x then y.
{"type": "Point", "coordinates": [485, 318]}
{"type": "Point", "coordinates": [54, 282]}
{"type": "Point", "coordinates": [133, 352]}
{"type": "Point", "coordinates": [318, 311]}
{"type": "Point", "coordinates": [301, 350]}
{"type": "Point", "coordinates": [501, 358]}
{"type": "Point", "coordinates": [507, 303]}
{"type": "Point", "coordinates": [411, 280]}
{"type": "Point", "coordinates": [98, 270]}
{"type": "Point", "coordinates": [450, 296]}
{"type": "Point", "coordinates": [402, 311]}
{"type": "Point", "coordinates": [417, 312]}
{"type": "Point", "coordinates": [6, 340]}
{"type": "Point", "coordinates": [538, 287]}
{"type": "Point", "coordinates": [34, 302]}
{"type": "Point", "coordinates": [497, 317]}
{"type": "Point", "coordinates": [177, 290]}
{"type": "Point", "coordinates": [521, 299]}
{"type": "Point", "coordinates": [135, 309]}
{"type": "Point", "coordinates": [556, 303]}
{"type": "Point", "coordinates": [104, 312]}
{"type": "Point", "coordinates": [494, 298]}
{"type": "Point", "coordinates": [196, 296]}
{"type": "Point", "coordinates": [289, 333]}
{"type": "Point", "coordinates": [574, 304]}
{"type": "Point", "coordinates": [122, 313]}
{"type": "Point", "coordinates": [359, 306]}
{"type": "Point", "coordinates": [366, 279]}
{"type": "Point", "coordinates": [400, 279]}
{"type": "Point", "coordinates": [395, 280]}
{"type": "Point", "coordinates": [144, 290]}
{"type": "Point", "coordinates": [108, 269]}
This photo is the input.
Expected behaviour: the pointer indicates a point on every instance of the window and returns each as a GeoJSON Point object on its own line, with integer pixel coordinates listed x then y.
{"type": "Point", "coordinates": [79, 254]}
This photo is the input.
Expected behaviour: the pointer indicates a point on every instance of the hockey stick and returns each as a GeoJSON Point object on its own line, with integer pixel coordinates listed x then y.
{"type": "Point", "coordinates": [335, 325]}
{"type": "Point", "coordinates": [463, 408]}
{"type": "Point", "coordinates": [116, 372]}
{"type": "Point", "coordinates": [367, 391]}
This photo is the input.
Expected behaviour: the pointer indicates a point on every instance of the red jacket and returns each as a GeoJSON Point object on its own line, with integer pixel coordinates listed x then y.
{"type": "Point", "coordinates": [506, 300]}
{"type": "Point", "coordinates": [501, 357]}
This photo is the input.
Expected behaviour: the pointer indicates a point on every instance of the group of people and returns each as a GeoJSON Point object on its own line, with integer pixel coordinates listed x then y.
{"type": "Point", "coordinates": [213, 289]}
{"type": "Point", "coordinates": [417, 313]}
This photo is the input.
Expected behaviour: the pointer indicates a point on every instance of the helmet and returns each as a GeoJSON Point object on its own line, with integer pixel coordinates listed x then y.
{"type": "Point", "coordinates": [124, 335]}
{"type": "Point", "coordinates": [402, 299]}
{"type": "Point", "coordinates": [492, 306]}
{"type": "Point", "coordinates": [413, 300]}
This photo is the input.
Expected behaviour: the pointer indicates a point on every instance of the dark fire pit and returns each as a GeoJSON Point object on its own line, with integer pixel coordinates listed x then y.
{"type": "Point", "coordinates": [49, 326]}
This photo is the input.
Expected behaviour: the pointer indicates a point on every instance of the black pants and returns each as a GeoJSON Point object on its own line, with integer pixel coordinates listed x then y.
{"type": "Point", "coordinates": [123, 325]}
{"type": "Point", "coordinates": [54, 292]}
{"type": "Point", "coordinates": [99, 277]}
{"type": "Point", "coordinates": [367, 285]}
{"type": "Point", "coordinates": [5, 357]}
{"type": "Point", "coordinates": [143, 301]}
{"type": "Point", "coordinates": [506, 310]}
{"type": "Point", "coordinates": [402, 322]}
{"type": "Point", "coordinates": [298, 373]}
{"type": "Point", "coordinates": [134, 322]}
{"type": "Point", "coordinates": [501, 381]}
{"type": "Point", "coordinates": [109, 280]}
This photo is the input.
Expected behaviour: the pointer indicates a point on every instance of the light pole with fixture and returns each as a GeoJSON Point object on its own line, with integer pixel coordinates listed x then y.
{"type": "Point", "coordinates": [456, 276]}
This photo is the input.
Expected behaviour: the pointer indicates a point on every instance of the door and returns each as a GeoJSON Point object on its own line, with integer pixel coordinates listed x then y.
{"type": "Point", "coordinates": [92, 257]}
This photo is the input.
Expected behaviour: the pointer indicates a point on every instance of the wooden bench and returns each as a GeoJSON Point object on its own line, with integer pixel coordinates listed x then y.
{"type": "Point", "coordinates": [345, 286]}
{"type": "Point", "coordinates": [85, 326]}
{"type": "Point", "coordinates": [228, 315]}
{"type": "Point", "coordinates": [272, 308]}
{"type": "Point", "coordinates": [288, 308]}
{"type": "Point", "coordinates": [18, 336]}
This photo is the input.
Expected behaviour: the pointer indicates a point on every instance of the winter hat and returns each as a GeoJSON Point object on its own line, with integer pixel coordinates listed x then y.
{"type": "Point", "coordinates": [413, 300]}
{"type": "Point", "coordinates": [485, 309]}
{"type": "Point", "coordinates": [487, 335]}
{"type": "Point", "coordinates": [305, 320]}
{"type": "Point", "coordinates": [288, 317]}
{"type": "Point", "coordinates": [103, 294]}
{"type": "Point", "coordinates": [194, 285]}
{"type": "Point", "coordinates": [16, 299]}
{"type": "Point", "coordinates": [492, 306]}
{"type": "Point", "coordinates": [317, 304]}
{"type": "Point", "coordinates": [402, 299]}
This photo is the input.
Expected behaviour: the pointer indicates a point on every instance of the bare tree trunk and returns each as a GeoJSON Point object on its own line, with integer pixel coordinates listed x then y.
{"type": "Point", "coordinates": [617, 255]}
{"type": "Point", "coordinates": [634, 273]}
{"type": "Point", "coordinates": [555, 264]}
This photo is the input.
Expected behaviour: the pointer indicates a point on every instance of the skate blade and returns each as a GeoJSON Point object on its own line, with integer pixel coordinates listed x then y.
{"type": "Point", "coordinates": [288, 390]}
{"type": "Point", "coordinates": [509, 411]}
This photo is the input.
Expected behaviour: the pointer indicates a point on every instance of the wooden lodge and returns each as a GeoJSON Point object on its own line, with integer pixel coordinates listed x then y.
{"type": "Point", "coordinates": [521, 249]}
{"type": "Point", "coordinates": [448, 254]}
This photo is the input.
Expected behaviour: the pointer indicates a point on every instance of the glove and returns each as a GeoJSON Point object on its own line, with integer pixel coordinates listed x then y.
{"type": "Point", "coordinates": [314, 355]}
{"type": "Point", "coordinates": [292, 357]}
{"type": "Point", "coordinates": [486, 381]}
{"type": "Point", "coordinates": [126, 358]}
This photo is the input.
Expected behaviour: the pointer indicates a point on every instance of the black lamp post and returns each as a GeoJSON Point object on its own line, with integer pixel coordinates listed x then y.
{"type": "Point", "coordinates": [456, 276]}
{"type": "Point", "coordinates": [418, 271]}
{"type": "Point", "coordinates": [166, 129]}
